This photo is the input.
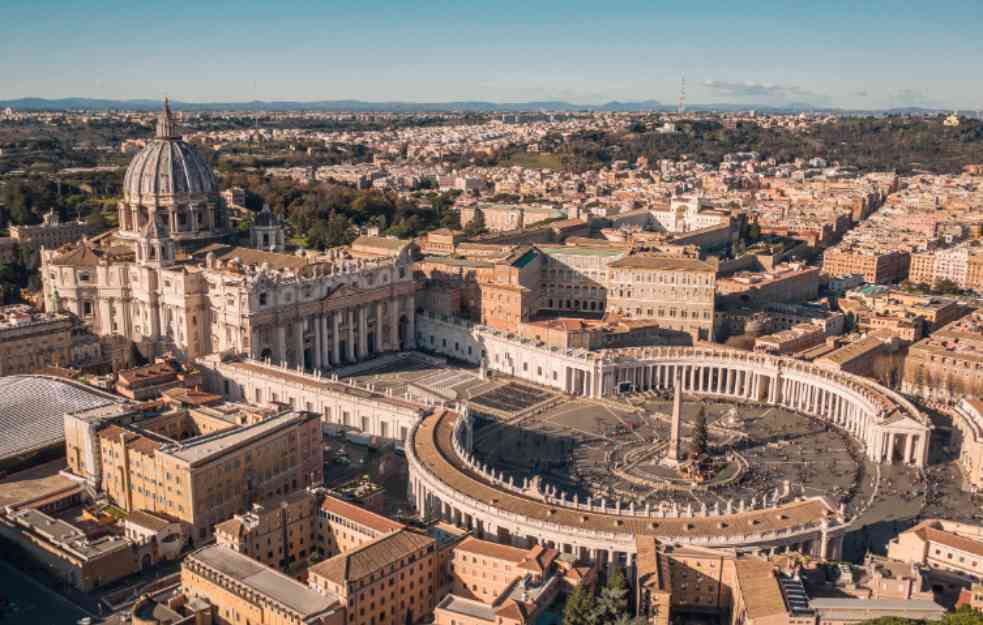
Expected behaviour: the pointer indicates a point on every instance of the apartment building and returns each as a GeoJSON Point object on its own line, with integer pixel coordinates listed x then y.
{"type": "Point", "coordinates": [345, 527]}
{"type": "Point", "coordinates": [876, 266]}
{"type": "Point", "coordinates": [51, 232]}
{"type": "Point", "coordinates": [31, 340]}
{"type": "Point", "coordinates": [503, 217]}
{"type": "Point", "coordinates": [242, 590]}
{"type": "Point", "coordinates": [785, 284]}
{"type": "Point", "coordinates": [204, 465]}
{"type": "Point", "coordinates": [282, 533]}
{"type": "Point", "coordinates": [695, 579]}
{"type": "Point", "coordinates": [496, 584]}
{"type": "Point", "coordinates": [952, 551]}
{"type": "Point", "coordinates": [575, 278]}
{"type": "Point", "coordinates": [392, 579]}
{"type": "Point", "coordinates": [798, 338]}
{"type": "Point", "coordinates": [948, 364]}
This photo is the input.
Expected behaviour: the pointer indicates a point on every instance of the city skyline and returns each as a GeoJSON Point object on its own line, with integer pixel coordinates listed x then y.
{"type": "Point", "coordinates": [874, 57]}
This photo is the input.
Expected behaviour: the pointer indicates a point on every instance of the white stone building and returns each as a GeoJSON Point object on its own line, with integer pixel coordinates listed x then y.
{"type": "Point", "coordinates": [167, 282]}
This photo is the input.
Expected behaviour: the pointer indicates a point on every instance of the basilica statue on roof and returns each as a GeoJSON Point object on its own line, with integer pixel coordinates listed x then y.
{"type": "Point", "coordinates": [169, 280]}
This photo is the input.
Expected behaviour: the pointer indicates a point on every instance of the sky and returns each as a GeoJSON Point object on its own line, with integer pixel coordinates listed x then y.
{"type": "Point", "coordinates": [865, 54]}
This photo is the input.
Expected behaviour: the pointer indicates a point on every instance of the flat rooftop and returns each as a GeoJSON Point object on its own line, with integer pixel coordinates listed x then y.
{"type": "Point", "coordinates": [38, 482]}
{"type": "Point", "coordinates": [264, 580]}
{"type": "Point", "coordinates": [195, 450]}
{"type": "Point", "coordinates": [467, 607]}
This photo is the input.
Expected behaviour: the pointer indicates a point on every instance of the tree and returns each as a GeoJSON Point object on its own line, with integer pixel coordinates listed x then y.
{"type": "Point", "coordinates": [579, 609]}
{"type": "Point", "coordinates": [97, 220]}
{"type": "Point", "coordinates": [612, 603]}
{"type": "Point", "coordinates": [698, 442]}
{"type": "Point", "coordinates": [335, 231]}
{"type": "Point", "coordinates": [944, 286]}
{"type": "Point", "coordinates": [965, 615]}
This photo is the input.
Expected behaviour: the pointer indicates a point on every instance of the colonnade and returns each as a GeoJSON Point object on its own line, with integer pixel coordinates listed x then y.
{"type": "Point", "coordinates": [333, 338]}
{"type": "Point", "coordinates": [859, 407]}
{"type": "Point", "coordinates": [497, 520]}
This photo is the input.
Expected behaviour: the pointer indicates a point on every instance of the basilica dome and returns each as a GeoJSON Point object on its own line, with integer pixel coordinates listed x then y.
{"type": "Point", "coordinates": [167, 167]}
{"type": "Point", "coordinates": [170, 182]}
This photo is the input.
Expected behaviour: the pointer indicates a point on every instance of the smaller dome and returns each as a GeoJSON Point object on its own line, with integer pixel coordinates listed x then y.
{"type": "Point", "coordinates": [266, 218]}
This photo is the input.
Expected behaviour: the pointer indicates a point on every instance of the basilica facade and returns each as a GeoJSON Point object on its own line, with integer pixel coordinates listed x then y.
{"type": "Point", "coordinates": [169, 281]}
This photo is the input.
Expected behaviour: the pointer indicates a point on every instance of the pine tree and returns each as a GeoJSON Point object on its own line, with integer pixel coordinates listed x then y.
{"type": "Point", "coordinates": [613, 600]}
{"type": "Point", "coordinates": [698, 443]}
{"type": "Point", "coordinates": [580, 607]}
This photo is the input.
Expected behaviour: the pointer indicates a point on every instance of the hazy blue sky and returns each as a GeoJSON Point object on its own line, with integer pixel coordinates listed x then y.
{"type": "Point", "coordinates": [857, 54]}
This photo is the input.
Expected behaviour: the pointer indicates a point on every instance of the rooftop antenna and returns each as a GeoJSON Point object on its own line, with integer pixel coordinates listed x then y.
{"type": "Point", "coordinates": [682, 95]}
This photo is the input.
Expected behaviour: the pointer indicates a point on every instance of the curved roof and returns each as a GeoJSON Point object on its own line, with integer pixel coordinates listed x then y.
{"type": "Point", "coordinates": [167, 166]}
{"type": "Point", "coordinates": [32, 411]}
{"type": "Point", "coordinates": [432, 444]}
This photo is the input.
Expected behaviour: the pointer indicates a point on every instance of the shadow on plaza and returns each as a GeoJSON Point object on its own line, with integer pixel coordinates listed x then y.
{"type": "Point", "coordinates": [524, 453]}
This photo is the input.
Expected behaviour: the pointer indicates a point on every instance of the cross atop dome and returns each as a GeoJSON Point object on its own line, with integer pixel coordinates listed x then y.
{"type": "Point", "coordinates": [166, 128]}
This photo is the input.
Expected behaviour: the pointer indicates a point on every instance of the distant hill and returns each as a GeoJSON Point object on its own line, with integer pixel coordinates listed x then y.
{"type": "Point", "coordinates": [477, 106]}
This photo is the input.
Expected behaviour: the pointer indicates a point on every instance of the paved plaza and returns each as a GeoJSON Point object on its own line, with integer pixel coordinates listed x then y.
{"type": "Point", "coordinates": [586, 446]}
{"type": "Point", "coordinates": [600, 449]}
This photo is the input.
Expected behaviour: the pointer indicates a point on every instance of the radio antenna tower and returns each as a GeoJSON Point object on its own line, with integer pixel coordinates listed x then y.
{"type": "Point", "coordinates": [682, 96]}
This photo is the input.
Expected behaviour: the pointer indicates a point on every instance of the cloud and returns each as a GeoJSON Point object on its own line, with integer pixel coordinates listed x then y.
{"type": "Point", "coordinates": [769, 91]}
{"type": "Point", "coordinates": [860, 93]}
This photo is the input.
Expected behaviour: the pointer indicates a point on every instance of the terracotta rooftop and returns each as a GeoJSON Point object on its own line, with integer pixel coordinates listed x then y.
{"type": "Point", "coordinates": [148, 520]}
{"type": "Point", "coordinates": [82, 255]}
{"type": "Point", "coordinates": [371, 557]}
{"type": "Point", "coordinates": [759, 588]}
{"type": "Point", "coordinates": [360, 515]}
{"type": "Point", "coordinates": [950, 539]}
{"type": "Point", "coordinates": [250, 256]}
{"type": "Point", "coordinates": [488, 549]}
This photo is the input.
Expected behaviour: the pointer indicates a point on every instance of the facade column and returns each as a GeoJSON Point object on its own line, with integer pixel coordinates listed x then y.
{"type": "Point", "coordinates": [325, 340]}
{"type": "Point", "coordinates": [410, 322]}
{"type": "Point", "coordinates": [254, 350]}
{"type": "Point", "coordinates": [281, 343]}
{"type": "Point", "coordinates": [363, 332]}
{"type": "Point", "coordinates": [380, 328]}
{"type": "Point", "coordinates": [336, 338]}
{"type": "Point", "coordinates": [317, 343]}
{"type": "Point", "coordinates": [908, 445]}
{"type": "Point", "coordinates": [350, 323]}
{"type": "Point", "coordinates": [393, 325]}
{"type": "Point", "coordinates": [299, 328]}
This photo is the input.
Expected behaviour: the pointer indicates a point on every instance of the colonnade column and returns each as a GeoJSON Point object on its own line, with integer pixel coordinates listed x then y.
{"type": "Point", "coordinates": [350, 322]}
{"type": "Point", "coordinates": [299, 330]}
{"type": "Point", "coordinates": [316, 320]}
{"type": "Point", "coordinates": [410, 322]}
{"type": "Point", "coordinates": [281, 343]}
{"type": "Point", "coordinates": [336, 337]}
{"type": "Point", "coordinates": [363, 332]}
{"type": "Point", "coordinates": [326, 340]}
{"type": "Point", "coordinates": [380, 326]}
